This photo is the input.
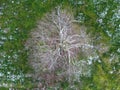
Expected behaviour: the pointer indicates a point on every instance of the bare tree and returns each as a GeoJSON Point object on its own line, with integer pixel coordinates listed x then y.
{"type": "Point", "coordinates": [55, 46]}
